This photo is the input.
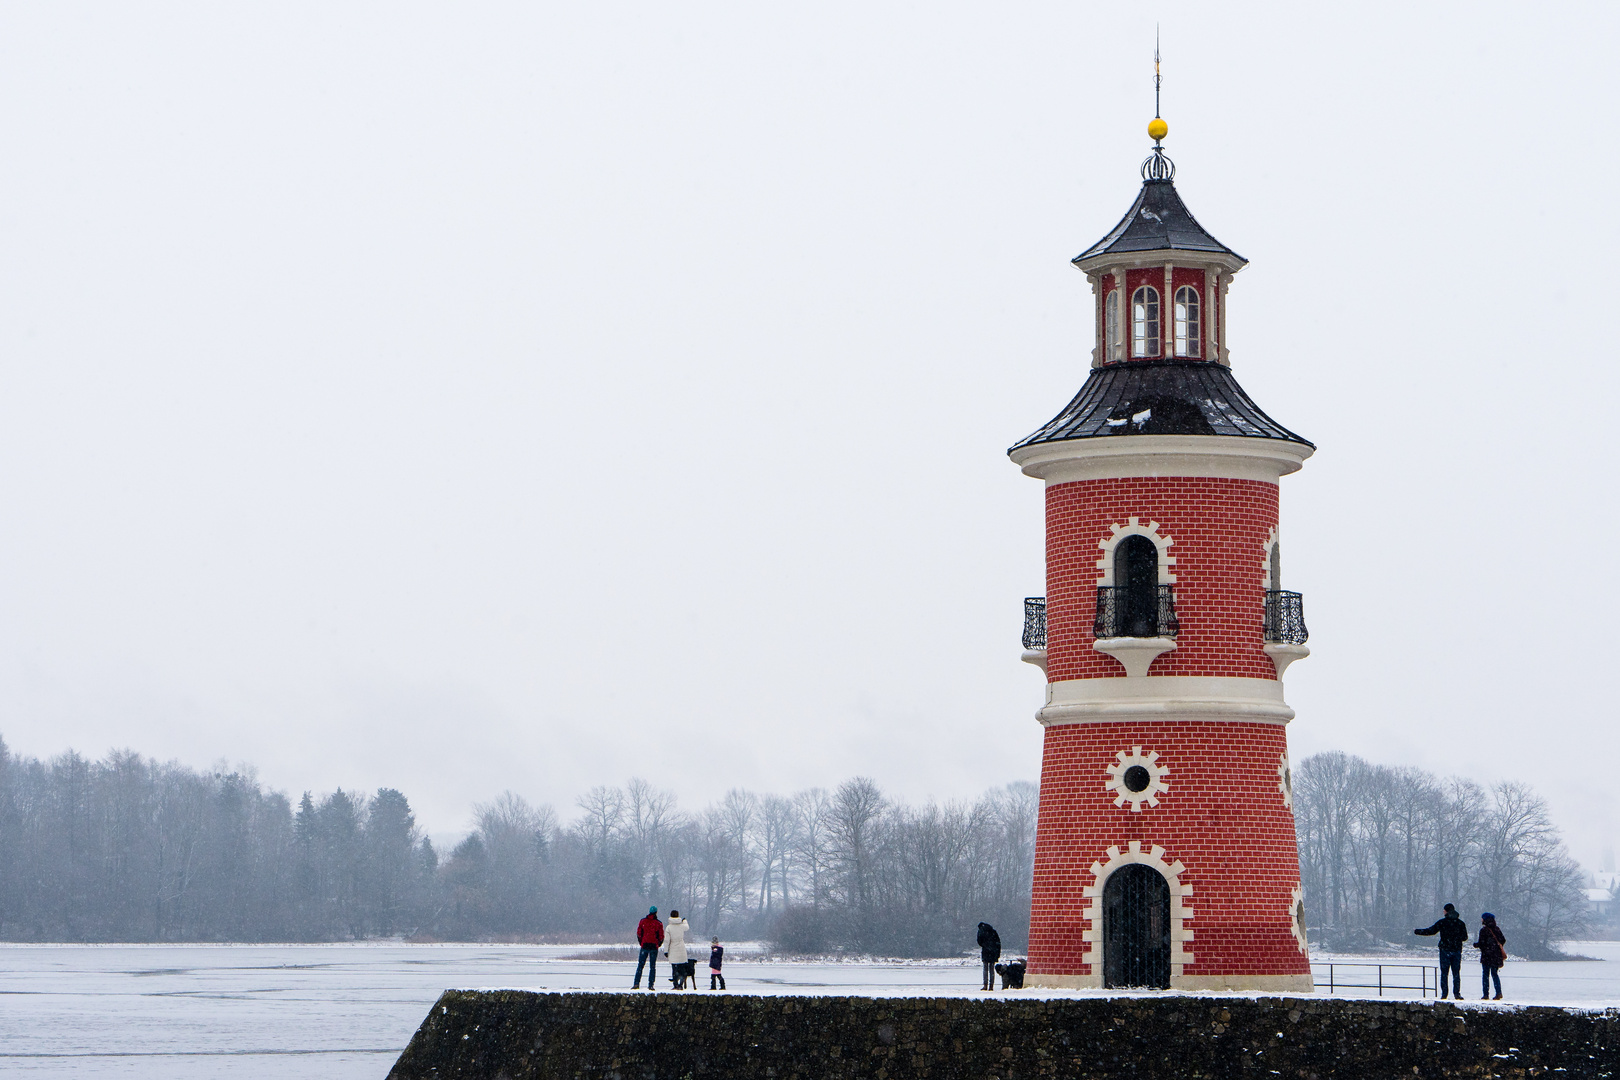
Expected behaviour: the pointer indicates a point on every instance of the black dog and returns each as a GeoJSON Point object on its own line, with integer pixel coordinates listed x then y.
{"type": "Point", "coordinates": [680, 973]}
{"type": "Point", "coordinates": [1012, 975]}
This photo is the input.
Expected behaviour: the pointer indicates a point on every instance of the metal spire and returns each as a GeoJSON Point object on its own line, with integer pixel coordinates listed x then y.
{"type": "Point", "coordinates": [1158, 79]}
{"type": "Point", "coordinates": [1157, 167]}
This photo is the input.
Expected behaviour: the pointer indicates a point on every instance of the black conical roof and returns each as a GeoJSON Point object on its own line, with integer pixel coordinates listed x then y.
{"type": "Point", "coordinates": [1160, 397]}
{"type": "Point", "coordinates": [1157, 221]}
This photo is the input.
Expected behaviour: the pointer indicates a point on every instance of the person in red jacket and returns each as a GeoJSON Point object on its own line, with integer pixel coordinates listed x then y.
{"type": "Point", "coordinates": [649, 935]}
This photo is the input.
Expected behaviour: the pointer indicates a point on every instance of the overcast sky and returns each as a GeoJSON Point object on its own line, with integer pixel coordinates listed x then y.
{"type": "Point", "coordinates": [483, 396]}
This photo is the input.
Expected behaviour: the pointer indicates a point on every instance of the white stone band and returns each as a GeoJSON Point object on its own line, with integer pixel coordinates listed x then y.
{"type": "Point", "coordinates": [1164, 697]}
{"type": "Point", "coordinates": [1118, 457]}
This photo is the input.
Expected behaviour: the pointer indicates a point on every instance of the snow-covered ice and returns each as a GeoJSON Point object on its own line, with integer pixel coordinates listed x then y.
{"type": "Point", "coordinates": [346, 1011]}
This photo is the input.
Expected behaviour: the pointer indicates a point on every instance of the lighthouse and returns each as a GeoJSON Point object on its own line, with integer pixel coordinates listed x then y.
{"type": "Point", "coordinates": [1164, 852]}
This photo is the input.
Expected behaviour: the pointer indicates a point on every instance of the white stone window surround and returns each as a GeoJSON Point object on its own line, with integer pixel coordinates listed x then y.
{"type": "Point", "coordinates": [1285, 780]}
{"type": "Point", "coordinates": [1180, 913]}
{"type": "Point", "coordinates": [1133, 527]}
{"type": "Point", "coordinates": [1281, 655]}
{"type": "Point", "coordinates": [1296, 918]}
{"type": "Point", "coordinates": [1136, 655]}
{"type": "Point", "coordinates": [1156, 773]}
{"type": "Point", "coordinates": [1265, 561]}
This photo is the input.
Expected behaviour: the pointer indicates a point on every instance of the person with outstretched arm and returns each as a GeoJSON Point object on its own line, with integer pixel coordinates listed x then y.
{"type": "Point", "coordinates": [1453, 936]}
{"type": "Point", "coordinates": [989, 952]}
{"type": "Point", "coordinates": [649, 935]}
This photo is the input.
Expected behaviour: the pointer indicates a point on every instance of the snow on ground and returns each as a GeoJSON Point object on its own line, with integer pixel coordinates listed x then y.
{"type": "Point", "coordinates": [344, 1012]}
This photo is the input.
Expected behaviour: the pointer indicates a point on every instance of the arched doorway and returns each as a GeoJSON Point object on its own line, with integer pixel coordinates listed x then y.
{"type": "Point", "coordinates": [1136, 576]}
{"type": "Point", "coordinates": [1136, 928]}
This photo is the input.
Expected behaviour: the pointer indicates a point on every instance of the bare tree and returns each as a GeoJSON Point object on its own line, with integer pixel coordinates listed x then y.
{"type": "Point", "coordinates": [812, 840]}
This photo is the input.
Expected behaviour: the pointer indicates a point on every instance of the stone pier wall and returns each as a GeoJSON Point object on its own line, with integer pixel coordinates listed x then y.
{"type": "Point", "coordinates": [519, 1035]}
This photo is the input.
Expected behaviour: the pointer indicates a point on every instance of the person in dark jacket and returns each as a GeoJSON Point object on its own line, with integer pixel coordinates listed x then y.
{"type": "Point", "coordinates": [717, 953]}
{"type": "Point", "coordinates": [989, 952]}
{"type": "Point", "coordinates": [1492, 946]}
{"type": "Point", "coordinates": [649, 935]}
{"type": "Point", "coordinates": [1453, 936]}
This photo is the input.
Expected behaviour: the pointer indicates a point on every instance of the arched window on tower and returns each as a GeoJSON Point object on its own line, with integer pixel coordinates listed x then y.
{"type": "Point", "coordinates": [1113, 344]}
{"type": "Point", "coordinates": [1136, 579]}
{"type": "Point", "coordinates": [1187, 321]}
{"type": "Point", "coordinates": [1145, 321]}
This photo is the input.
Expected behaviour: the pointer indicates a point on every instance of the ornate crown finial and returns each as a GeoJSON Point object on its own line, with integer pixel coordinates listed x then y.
{"type": "Point", "coordinates": [1157, 167]}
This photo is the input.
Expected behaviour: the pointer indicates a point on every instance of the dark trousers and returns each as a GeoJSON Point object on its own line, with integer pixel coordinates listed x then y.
{"type": "Point", "coordinates": [713, 975]}
{"type": "Point", "coordinates": [1452, 962]}
{"type": "Point", "coordinates": [989, 974]}
{"type": "Point", "coordinates": [649, 960]}
{"type": "Point", "coordinates": [1486, 974]}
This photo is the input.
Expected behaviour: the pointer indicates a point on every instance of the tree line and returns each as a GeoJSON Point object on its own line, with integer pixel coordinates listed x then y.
{"type": "Point", "coordinates": [131, 849]}
{"type": "Point", "coordinates": [1383, 848]}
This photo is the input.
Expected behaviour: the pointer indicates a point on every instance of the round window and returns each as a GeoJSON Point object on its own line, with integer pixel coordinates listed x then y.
{"type": "Point", "coordinates": [1137, 778]}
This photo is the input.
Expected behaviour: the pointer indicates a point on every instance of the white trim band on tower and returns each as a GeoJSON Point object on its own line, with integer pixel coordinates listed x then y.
{"type": "Point", "coordinates": [1164, 697]}
{"type": "Point", "coordinates": [1230, 457]}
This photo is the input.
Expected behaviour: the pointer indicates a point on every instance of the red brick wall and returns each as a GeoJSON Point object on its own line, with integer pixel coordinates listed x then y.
{"type": "Point", "coordinates": [1220, 528]}
{"type": "Point", "coordinates": [1223, 817]}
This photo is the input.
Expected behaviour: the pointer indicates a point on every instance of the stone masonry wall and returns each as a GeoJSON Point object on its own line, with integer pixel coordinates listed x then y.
{"type": "Point", "coordinates": [518, 1035]}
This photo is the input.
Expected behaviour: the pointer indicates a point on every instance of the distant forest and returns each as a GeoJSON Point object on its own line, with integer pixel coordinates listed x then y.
{"type": "Point", "coordinates": [1382, 849]}
{"type": "Point", "coordinates": [130, 849]}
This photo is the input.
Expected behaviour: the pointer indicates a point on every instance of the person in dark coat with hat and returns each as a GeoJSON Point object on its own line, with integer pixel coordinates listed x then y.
{"type": "Point", "coordinates": [989, 952]}
{"type": "Point", "coordinates": [1492, 946]}
{"type": "Point", "coordinates": [1453, 936]}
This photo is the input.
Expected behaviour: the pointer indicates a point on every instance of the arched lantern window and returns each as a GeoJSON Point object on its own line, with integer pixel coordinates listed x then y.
{"type": "Point", "coordinates": [1145, 321]}
{"type": "Point", "coordinates": [1187, 322]}
{"type": "Point", "coordinates": [1113, 344]}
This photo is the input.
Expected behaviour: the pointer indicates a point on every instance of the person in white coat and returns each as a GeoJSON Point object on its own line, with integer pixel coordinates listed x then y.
{"type": "Point", "coordinates": [675, 947]}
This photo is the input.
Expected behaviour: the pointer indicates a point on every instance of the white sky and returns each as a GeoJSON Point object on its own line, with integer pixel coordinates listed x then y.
{"type": "Point", "coordinates": [468, 397]}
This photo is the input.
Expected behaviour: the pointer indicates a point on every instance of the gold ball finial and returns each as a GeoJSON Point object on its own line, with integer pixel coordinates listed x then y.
{"type": "Point", "coordinates": [1157, 129]}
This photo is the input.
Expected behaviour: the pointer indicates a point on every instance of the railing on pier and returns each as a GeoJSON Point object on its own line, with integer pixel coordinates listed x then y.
{"type": "Point", "coordinates": [1394, 978]}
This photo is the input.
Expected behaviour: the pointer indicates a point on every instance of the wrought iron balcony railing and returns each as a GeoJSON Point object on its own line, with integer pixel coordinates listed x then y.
{"type": "Point", "coordinates": [1144, 613]}
{"type": "Point", "coordinates": [1034, 622]}
{"type": "Point", "coordinates": [1285, 618]}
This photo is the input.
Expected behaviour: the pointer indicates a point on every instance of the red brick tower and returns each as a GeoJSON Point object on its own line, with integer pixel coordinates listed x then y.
{"type": "Point", "coordinates": [1164, 854]}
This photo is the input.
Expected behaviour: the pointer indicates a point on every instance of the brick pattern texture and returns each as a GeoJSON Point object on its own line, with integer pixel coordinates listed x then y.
{"type": "Point", "coordinates": [1219, 528]}
{"type": "Point", "coordinates": [1223, 817]}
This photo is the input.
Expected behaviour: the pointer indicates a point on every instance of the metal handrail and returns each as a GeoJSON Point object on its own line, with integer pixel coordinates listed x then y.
{"type": "Point", "coordinates": [1376, 972]}
{"type": "Point", "coordinates": [1121, 614]}
{"type": "Point", "coordinates": [1285, 618]}
{"type": "Point", "coordinates": [1035, 622]}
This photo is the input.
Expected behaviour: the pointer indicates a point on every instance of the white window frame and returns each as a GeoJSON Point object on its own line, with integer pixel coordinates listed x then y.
{"type": "Point", "coordinates": [1145, 315]}
{"type": "Point", "coordinates": [1113, 343]}
{"type": "Point", "coordinates": [1187, 321]}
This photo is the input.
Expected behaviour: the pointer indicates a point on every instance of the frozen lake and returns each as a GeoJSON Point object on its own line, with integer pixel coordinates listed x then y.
{"type": "Point", "coordinates": [346, 1011]}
